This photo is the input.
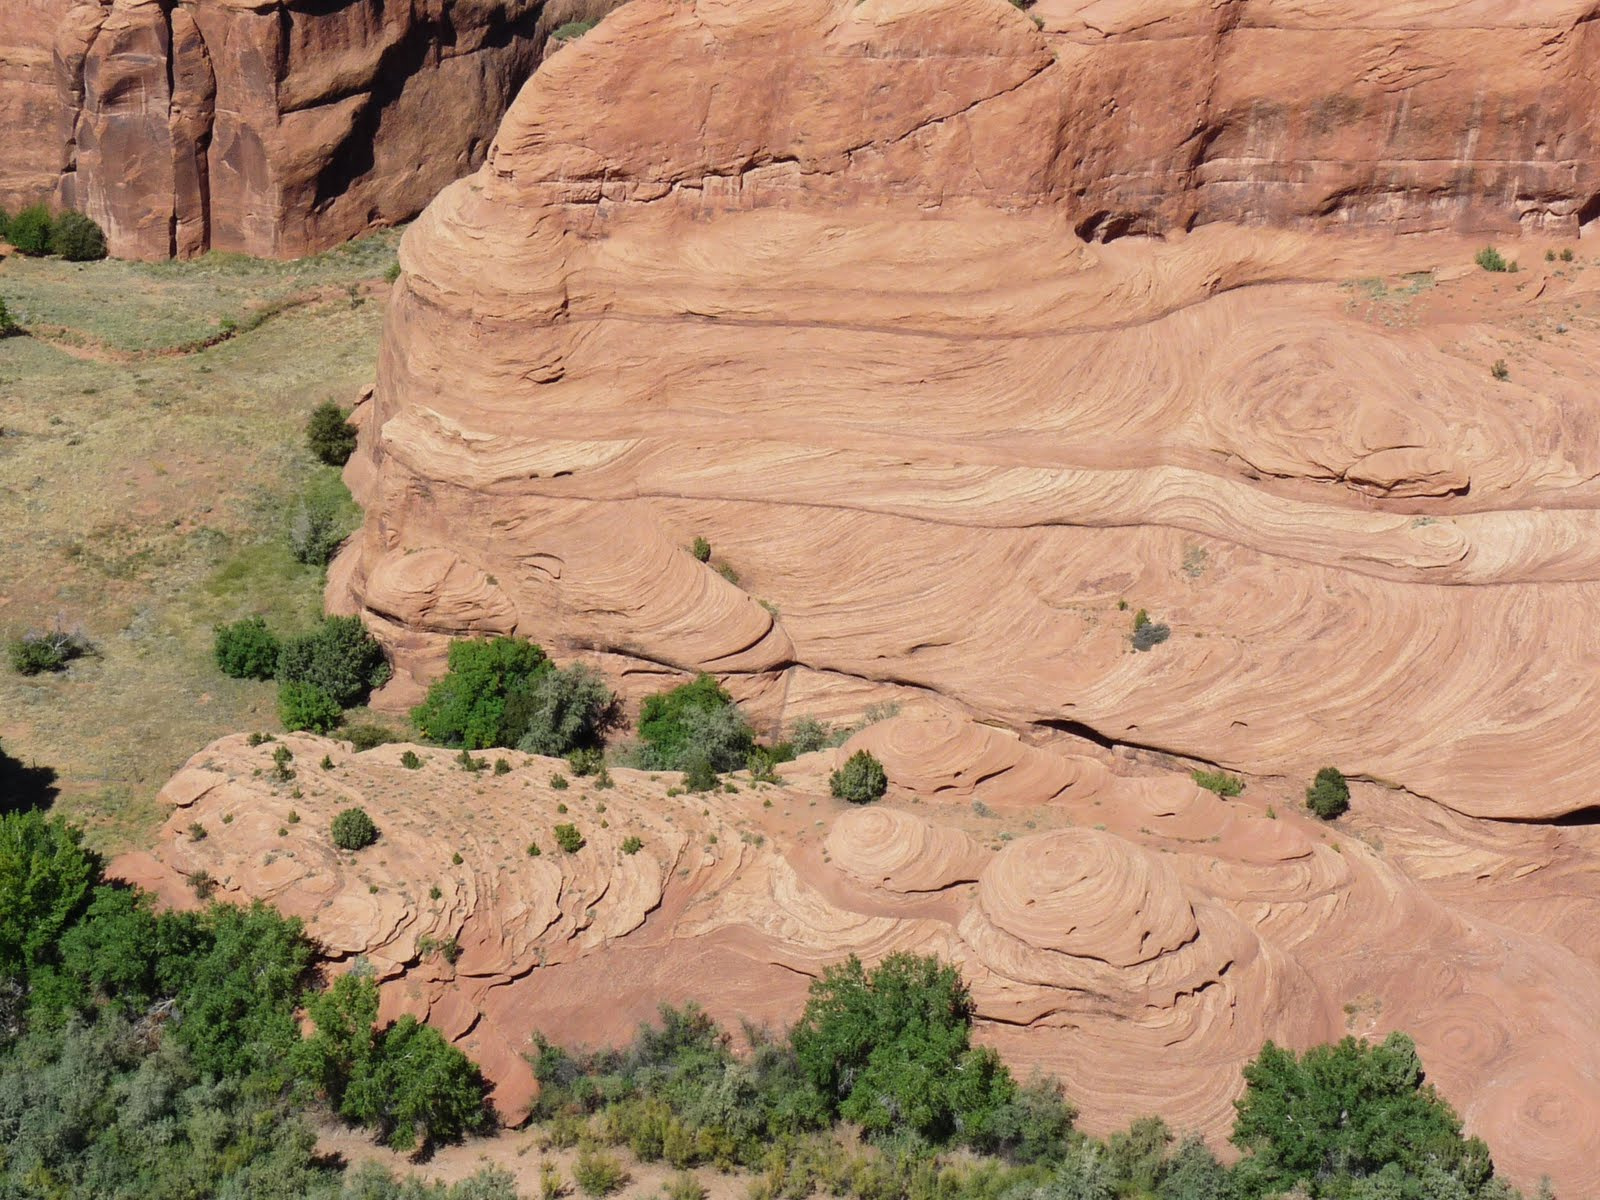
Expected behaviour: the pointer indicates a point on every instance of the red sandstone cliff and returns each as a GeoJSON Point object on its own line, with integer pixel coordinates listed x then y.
{"type": "Point", "coordinates": [272, 127]}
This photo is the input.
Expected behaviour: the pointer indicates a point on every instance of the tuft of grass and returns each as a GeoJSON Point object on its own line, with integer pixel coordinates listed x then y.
{"type": "Point", "coordinates": [1219, 782]}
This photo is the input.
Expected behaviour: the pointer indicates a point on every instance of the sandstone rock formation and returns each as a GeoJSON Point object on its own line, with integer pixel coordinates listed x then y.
{"type": "Point", "coordinates": [271, 127]}
{"type": "Point", "coordinates": [278, 127]}
{"type": "Point", "coordinates": [1138, 936]}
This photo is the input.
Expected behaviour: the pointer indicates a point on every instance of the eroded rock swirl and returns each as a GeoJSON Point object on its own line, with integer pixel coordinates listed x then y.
{"type": "Point", "coordinates": [814, 280]}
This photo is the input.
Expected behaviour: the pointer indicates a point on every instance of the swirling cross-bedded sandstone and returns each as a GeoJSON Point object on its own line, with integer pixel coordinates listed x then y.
{"type": "Point", "coordinates": [1139, 936]}
{"type": "Point", "coordinates": [949, 447]}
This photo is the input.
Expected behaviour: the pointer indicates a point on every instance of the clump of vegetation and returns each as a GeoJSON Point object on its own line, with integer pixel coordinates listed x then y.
{"type": "Point", "coordinates": [694, 721]}
{"type": "Point", "coordinates": [585, 762]}
{"type": "Point", "coordinates": [353, 829]}
{"type": "Point", "coordinates": [339, 657]}
{"type": "Point", "coordinates": [1328, 796]}
{"type": "Point", "coordinates": [1148, 633]}
{"type": "Point", "coordinates": [445, 948]}
{"type": "Point", "coordinates": [77, 237]}
{"type": "Point", "coordinates": [632, 845]}
{"type": "Point", "coordinates": [29, 231]}
{"type": "Point", "coordinates": [701, 549]}
{"type": "Point", "coordinates": [246, 649]}
{"type": "Point", "coordinates": [1500, 371]}
{"type": "Point", "coordinates": [558, 782]}
{"type": "Point", "coordinates": [410, 761]}
{"type": "Point", "coordinates": [808, 734]}
{"type": "Point", "coordinates": [282, 772]}
{"type": "Point", "coordinates": [568, 838]}
{"type": "Point", "coordinates": [469, 764]}
{"type": "Point", "coordinates": [39, 653]}
{"type": "Point", "coordinates": [597, 1173]}
{"type": "Point", "coordinates": [861, 780]}
{"type": "Point", "coordinates": [763, 764]}
{"type": "Point", "coordinates": [1219, 782]}
{"type": "Point", "coordinates": [329, 435]}
{"type": "Point", "coordinates": [503, 691]}
{"type": "Point", "coordinates": [318, 525]}
{"type": "Point", "coordinates": [502, 767]}
{"type": "Point", "coordinates": [368, 735]}
{"type": "Point", "coordinates": [570, 31]}
{"type": "Point", "coordinates": [700, 775]}
{"type": "Point", "coordinates": [1567, 255]}
{"type": "Point", "coordinates": [8, 323]}
{"type": "Point", "coordinates": [1490, 259]}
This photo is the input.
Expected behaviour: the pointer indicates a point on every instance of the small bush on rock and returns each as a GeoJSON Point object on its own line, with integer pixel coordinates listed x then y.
{"type": "Point", "coordinates": [329, 435]}
{"type": "Point", "coordinates": [696, 720]}
{"type": "Point", "coordinates": [700, 775]}
{"type": "Point", "coordinates": [369, 734]}
{"type": "Point", "coordinates": [246, 649]}
{"type": "Point", "coordinates": [598, 1173]}
{"type": "Point", "coordinates": [568, 838]}
{"type": "Point", "coordinates": [1329, 795]}
{"type": "Point", "coordinates": [29, 231]}
{"type": "Point", "coordinates": [354, 830]}
{"type": "Point", "coordinates": [76, 237]}
{"type": "Point", "coordinates": [1219, 782]}
{"type": "Point", "coordinates": [1491, 259]}
{"type": "Point", "coordinates": [861, 780]}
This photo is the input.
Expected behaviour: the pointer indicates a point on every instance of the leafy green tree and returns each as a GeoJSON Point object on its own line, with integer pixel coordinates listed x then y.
{"type": "Point", "coordinates": [861, 780]}
{"type": "Point", "coordinates": [77, 237]}
{"type": "Point", "coordinates": [467, 707]}
{"type": "Point", "coordinates": [697, 718]}
{"type": "Point", "coordinates": [1349, 1112]}
{"type": "Point", "coordinates": [305, 706]}
{"type": "Point", "coordinates": [47, 878]}
{"type": "Point", "coordinates": [1329, 794]}
{"type": "Point", "coordinates": [555, 711]}
{"type": "Point", "coordinates": [345, 1038]}
{"type": "Point", "coordinates": [329, 435]}
{"type": "Point", "coordinates": [416, 1088]}
{"type": "Point", "coordinates": [246, 649]}
{"type": "Point", "coordinates": [237, 992]}
{"type": "Point", "coordinates": [339, 656]}
{"type": "Point", "coordinates": [29, 231]}
{"type": "Point", "coordinates": [892, 1048]}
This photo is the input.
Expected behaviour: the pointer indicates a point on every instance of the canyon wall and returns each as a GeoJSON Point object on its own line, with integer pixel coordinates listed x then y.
{"type": "Point", "coordinates": [278, 127]}
{"type": "Point", "coordinates": [268, 127]}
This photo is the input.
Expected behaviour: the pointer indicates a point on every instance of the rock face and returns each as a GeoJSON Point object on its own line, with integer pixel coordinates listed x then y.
{"type": "Point", "coordinates": [271, 127]}
{"type": "Point", "coordinates": [1139, 937]}
{"type": "Point", "coordinates": [278, 127]}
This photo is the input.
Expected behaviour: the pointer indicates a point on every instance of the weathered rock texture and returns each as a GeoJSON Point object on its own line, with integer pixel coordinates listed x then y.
{"type": "Point", "coordinates": [1139, 937]}
{"type": "Point", "coordinates": [272, 127]}
{"type": "Point", "coordinates": [279, 126]}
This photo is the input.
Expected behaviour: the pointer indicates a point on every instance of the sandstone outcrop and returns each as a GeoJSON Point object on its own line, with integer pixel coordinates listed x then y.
{"type": "Point", "coordinates": [277, 127]}
{"type": "Point", "coordinates": [1138, 936]}
{"type": "Point", "coordinates": [271, 127]}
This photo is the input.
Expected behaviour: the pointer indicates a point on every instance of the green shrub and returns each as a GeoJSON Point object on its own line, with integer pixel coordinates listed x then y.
{"type": "Point", "coordinates": [1219, 782]}
{"type": "Point", "coordinates": [596, 1172]}
{"type": "Point", "coordinates": [533, 850]}
{"type": "Point", "coordinates": [1491, 259]}
{"type": "Point", "coordinates": [392, 272]}
{"type": "Point", "coordinates": [29, 231]}
{"type": "Point", "coordinates": [632, 845]}
{"type": "Point", "coordinates": [467, 706]}
{"type": "Point", "coordinates": [695, 720]}
{"type": "Point", "coordinates": [1500, 371]}
{"type": "Point", "coordinates": [700, 775]}
{"type": "Point", "coordinates": [1329, 794]}
{"type": "Point", "coordinates": [728, 573]}
{"type": "Point", "coordinates": [329, 435]}
{"type": "Point", "coordinates": [861, 780]}
{"type": "Point", "coordinates": [76, 237]}
{"type": "Point", "coordinates": [763, 765]}
{"type": "Point", "coordinates": [8, 323]}
{"type": "Point", "coordinates": [558, 781]}
{"type": "Point", "coordinates": [317, 528]}
{"type": "Point", "coordinates": [369, 735]}
{"type": "Point", "coordinates": [410, 761]}
{"type": "Point", "coordinates": [808, 734]}
{"type": "Point", "coordinates": [567, 32]}
{"type": "Point", "coordinates": [282, 756]}
{"type": "Point", "coordinates": [354, 830]}
{"type": "Point", "coordinates": [1148, 633]}
{"type": "Point", "coordinates": [585, 762]}
{"type": "Point", "coordinates": [502, 767]}
{"type": "Point", "coordinates": [554, 711]}
{"type": "Point", "coordinates": [1567, 255]}
{"type": "Point", "coordinates": [339, 656]}
{"type": "Point", "coordinates": [701, 549]}
{"type": "Point", "coordinates": [415, 1088]}
{"type": "Point", "coordinates": [568, 838]}
{"type": "Point", "coordinates": [684, 1186]}
{"type": "Point", "coordinates": [5, 222]}
{"type": "Point", "coordinates": [37, 653]}
{"type": "Point", "coordinates": [246, 649]}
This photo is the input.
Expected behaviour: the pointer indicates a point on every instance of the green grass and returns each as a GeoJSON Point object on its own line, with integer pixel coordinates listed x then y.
{"type": "Point", "coordinates": [148, 501]}
{"type": "Point", "coordinates": [133, 307]}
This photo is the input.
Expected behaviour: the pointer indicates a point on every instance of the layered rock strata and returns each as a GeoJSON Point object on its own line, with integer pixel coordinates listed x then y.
{"type": "Point", "coordinates": [270, 127]}
{"type": "Point", "coordinates": [1138, 936]}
